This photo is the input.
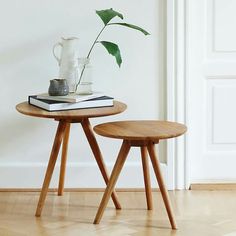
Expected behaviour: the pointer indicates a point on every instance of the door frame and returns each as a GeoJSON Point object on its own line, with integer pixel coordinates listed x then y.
{"type": "Point", "coordinates": [177, 98]}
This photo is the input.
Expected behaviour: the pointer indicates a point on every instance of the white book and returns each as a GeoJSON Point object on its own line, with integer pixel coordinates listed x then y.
{"type": "Point", "coordinates": [50, 105]}
{"type": "Point", "coordinates": [71, 97]}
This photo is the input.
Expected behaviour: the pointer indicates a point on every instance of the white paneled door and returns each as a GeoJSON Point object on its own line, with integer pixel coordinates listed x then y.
{"type": "Point", "coordinates": [211, 89]}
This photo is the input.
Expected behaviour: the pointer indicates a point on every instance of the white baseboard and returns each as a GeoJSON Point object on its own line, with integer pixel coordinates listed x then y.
{"type": "Point", "coordinates": [78, 175]}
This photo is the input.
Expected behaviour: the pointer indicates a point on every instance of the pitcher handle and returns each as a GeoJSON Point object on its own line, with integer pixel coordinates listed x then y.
{"type": "Point", "coordinates": [54, 54]}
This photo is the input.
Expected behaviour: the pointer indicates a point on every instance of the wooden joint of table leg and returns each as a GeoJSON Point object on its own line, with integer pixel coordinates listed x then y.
{"type": "Point", "coordinates": [69, 120]}
{"type": "Point", "coordinates": [141, 143]}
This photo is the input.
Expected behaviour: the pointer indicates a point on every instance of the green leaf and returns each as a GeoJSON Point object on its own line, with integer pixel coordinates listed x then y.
{"type": "Point", "coordinates": [132, 27]}
{"type": "Point", "coordinates": [108, 14]}
{"type": "Point", "coordinates": [113, 49]}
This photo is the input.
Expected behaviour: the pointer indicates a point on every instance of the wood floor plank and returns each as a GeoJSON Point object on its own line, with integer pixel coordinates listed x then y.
{"type": "Point", "coordinates": [205, 213]}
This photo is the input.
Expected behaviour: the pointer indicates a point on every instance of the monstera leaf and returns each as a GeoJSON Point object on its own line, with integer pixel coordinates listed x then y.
{"type": "Point", "coordinates": [113, 49]}
{"type": "Point", "coordinates": [108, 14]}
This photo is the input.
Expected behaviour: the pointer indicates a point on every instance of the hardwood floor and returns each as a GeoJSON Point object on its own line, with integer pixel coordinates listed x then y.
{"type": "Point", "coordinates": [198, 213]}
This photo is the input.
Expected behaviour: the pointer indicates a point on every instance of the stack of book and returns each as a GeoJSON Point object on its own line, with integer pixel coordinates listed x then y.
{"type": "Point", "coordinates": [70, 102]}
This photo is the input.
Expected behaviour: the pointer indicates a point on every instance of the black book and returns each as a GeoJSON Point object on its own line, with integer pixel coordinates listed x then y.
{"type": "Point", "coordinates": [50, 105]}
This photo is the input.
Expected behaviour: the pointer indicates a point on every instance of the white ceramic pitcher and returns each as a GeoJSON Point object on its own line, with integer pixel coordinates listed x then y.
{"type": "Point", "coordinates": [68, 60]}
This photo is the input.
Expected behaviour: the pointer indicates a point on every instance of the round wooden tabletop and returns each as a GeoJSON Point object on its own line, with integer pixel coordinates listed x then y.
{"type": "Point", "coordinates": [148, 130]}
{"type": "Point", "coordinates": [30, 110]}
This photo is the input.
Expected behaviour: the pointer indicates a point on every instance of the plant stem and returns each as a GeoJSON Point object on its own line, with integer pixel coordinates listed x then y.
{"type": "Point", "coordinates": [95, 41]}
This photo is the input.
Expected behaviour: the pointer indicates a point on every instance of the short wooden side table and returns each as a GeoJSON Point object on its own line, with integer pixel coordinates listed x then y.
{"type": "Point", "coordinates": [143, 134]}
{"type": "Point", "coordinates": [65, 118]}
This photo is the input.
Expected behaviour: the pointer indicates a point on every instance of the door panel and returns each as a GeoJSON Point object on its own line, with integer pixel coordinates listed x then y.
{"type": "Point", "coordinates": [211, 109]}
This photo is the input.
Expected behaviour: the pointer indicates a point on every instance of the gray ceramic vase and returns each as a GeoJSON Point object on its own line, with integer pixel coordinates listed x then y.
{"type": "Point", "coordinates": [58, 87]}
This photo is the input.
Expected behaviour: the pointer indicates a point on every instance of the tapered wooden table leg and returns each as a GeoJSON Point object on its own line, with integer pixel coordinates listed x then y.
{"type": "Point", "coordinates": [146, 176]}
{"type": "Point", "coordinates": [51, 164]}
{"type": "Point", "coordinates": [160, 180]}
{"type": "Point", "coordinates": [114, 176]}
{"type": "Point", "coordinates": [98, 157]}
{"type": "Point", "coordinates": [63, 160]}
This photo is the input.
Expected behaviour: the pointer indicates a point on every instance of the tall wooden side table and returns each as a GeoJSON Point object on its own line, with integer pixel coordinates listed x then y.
{"type": "Point", "coordinates": [65, 118]}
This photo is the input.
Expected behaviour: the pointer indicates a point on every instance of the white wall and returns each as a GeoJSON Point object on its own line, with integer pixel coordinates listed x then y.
{"type": "Point", "coordinates": [28, 31]}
